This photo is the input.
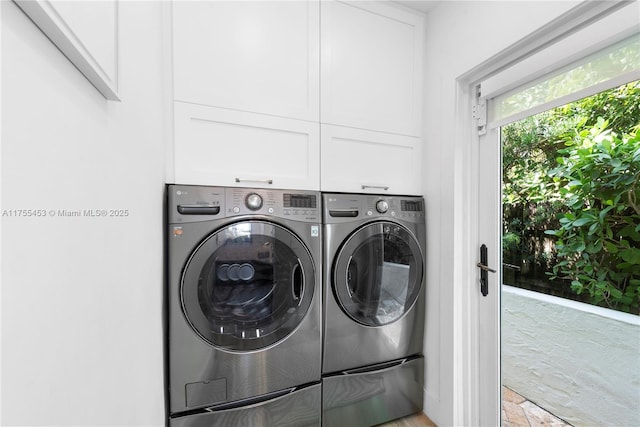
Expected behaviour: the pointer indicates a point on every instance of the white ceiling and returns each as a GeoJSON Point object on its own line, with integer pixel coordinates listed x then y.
{"type": "Point", "coordinates": [420, 5]}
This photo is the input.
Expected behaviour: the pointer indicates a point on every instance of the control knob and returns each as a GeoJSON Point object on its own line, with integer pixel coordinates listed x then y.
{"type": "Point", "coordinates": [382, 206]}
{"type": "Point", "coordinates": [253, 201]}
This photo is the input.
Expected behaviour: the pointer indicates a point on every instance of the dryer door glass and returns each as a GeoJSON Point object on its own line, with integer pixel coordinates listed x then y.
{"type": "Point", "coordinates": [378, 273]}
{"type": "Point", "coordinates": [248, 285]}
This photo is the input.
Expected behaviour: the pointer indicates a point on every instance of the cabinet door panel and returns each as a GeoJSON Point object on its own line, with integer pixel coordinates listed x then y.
{"type": "Point", "coordinates": [371, 67]}
{"type": "Point", "coordinates": [360, 161]}
{"type": "Point", "coordinates": [216, 146]}
{"type": "Point", "coordinates": [251, 56]}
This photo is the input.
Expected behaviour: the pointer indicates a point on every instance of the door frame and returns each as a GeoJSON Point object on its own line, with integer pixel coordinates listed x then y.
{"type": "Point", "coordinates": [467, 384]}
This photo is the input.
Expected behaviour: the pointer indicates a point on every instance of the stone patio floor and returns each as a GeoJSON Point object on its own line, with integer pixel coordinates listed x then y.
{"type": "Point", "coordinates": [517, 411]}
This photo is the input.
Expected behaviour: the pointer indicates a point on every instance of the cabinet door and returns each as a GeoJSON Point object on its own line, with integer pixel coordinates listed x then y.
{"type": "Point", "coordinates": [257, 56]}
{"type": "Point", "coordinates": [371, 66]}
{"type": "Point", "coordinates": [360, 161]}
{"type": "Point", "coordinates": [216, 146]}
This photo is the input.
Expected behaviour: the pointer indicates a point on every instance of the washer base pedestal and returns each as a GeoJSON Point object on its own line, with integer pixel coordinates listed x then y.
{"type": "Point", "coordinates": [299, 408]}
{"type": "Point", "coordinates": [373, 395]}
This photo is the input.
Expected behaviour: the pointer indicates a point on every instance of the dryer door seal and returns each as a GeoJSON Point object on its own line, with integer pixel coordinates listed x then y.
{"type": "Point", "coordinates": [378, 273]}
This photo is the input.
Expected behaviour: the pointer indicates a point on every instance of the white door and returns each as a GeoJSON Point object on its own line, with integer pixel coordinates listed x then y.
{"type": "Point", "coordinates": [488, 295]}
{"type": "Point", "coordinates": [486, 167]}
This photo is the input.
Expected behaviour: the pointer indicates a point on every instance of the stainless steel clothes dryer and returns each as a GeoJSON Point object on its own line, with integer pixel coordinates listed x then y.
{"type": "Point", "coordinates": [374, 307]}
{"type": "Point", "coordinates": [243, 306]}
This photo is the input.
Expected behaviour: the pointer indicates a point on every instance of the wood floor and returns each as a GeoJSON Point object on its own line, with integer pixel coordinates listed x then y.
{"type": "Point", "coordinates": [418, 420]}
{"type": "Point", "coordinates": [517, 411]}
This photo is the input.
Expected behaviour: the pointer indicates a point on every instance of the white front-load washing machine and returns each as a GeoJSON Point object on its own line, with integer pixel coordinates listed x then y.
{"type": "Point", "coordinates": [374, 307]}
{"type": "Point", "coordinates": [243, 306]}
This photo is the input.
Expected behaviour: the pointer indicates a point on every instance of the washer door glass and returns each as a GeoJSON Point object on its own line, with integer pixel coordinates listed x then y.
{"type": "Point", "coordinates": [248, 285]}
{"type": "Point", "coordinates": [378, 273]}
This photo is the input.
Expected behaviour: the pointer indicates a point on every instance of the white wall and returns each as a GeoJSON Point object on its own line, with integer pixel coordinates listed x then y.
{"type": "Point", "coordinates": [577, 361]}
{"type": "Point", "coordinates": [459, 36]}
{"type": "Point", "coordinates": [82, 297]}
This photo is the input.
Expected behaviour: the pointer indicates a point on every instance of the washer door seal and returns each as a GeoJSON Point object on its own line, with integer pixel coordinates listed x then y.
{"type": "Point", "coordinates": [248, 285]}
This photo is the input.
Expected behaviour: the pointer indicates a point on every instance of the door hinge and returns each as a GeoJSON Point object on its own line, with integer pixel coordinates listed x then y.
{"type": "Point", "coordinates": [479, 112]}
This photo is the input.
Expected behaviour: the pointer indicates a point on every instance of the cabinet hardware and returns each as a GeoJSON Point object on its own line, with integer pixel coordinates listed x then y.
{"type": "Point", "coordinates": [264, 181]}
{"type": "Point", "coordinates": [383, 187]}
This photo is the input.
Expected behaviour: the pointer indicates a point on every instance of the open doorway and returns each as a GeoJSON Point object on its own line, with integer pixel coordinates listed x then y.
{"type": "Point", "coordinates": [539, 79]}
{"type": "Point", "coordinates": [571, 262]}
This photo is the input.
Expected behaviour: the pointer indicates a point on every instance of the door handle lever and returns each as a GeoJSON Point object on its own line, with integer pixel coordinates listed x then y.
{"type": "Point", "coordinates": [484, 271]}
{"type": "Point", "coordinates": [485, 268]}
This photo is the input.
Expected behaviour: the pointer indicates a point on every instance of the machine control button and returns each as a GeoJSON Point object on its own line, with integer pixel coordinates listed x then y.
{"type": "Point", "coordinates": [236, 209]}
{"type": "Point", "coordinates": [369, 213]}
{"type": "Point", "coordinates": [382, 206]}
{"type": "Point", "coordinates": [253, 201]}
{"type": "Point", "coordinates": [270, 210]}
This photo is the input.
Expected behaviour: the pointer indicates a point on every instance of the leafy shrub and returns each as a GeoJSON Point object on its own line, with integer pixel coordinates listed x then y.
{"type": "Point", "coordinates": [599, 237]}
{"type": "Point", "coordinates": [571, 197]}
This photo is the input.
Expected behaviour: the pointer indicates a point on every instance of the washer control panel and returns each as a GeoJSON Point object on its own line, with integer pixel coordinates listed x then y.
{"type": "Point", "coordinates": [382, 206]}
{"type": "Point", "coordinates": [192, 203]}
{"type": "Point", "coordinates": [296, 205]}
{"type": "Point", "coordinates": [253, 201]}
{"type": "Point", "coordinates": [349, 207]}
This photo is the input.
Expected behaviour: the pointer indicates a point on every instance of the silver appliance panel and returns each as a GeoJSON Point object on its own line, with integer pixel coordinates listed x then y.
{"type": "Point", "coordinates": [222, 202]}
{"type": "Point", "coordinates": [296, 408]}
{"type": "Point", "coordinates": [373, 395]}
{"type": "Point", "coordinates": [350, 340]}
{"type": "Point", "coordinates": [340, 208]}
{"type": "Point", "coordinates": [202, 374]}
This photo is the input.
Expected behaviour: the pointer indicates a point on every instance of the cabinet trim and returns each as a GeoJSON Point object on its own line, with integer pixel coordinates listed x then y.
{"type": "Point", "coordinates": [61, 32]}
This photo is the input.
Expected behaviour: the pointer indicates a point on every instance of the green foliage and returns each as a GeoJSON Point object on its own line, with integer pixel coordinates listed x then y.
{"type": "Point", "coordinates": [599, 237]}
{"type": "Point", "coordinates": [571, 196]}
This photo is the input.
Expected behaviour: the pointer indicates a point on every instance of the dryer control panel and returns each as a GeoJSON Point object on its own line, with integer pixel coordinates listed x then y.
{"type": "Point", "coordinates": [192, 203]}
{"type": "Point", "coordinates": [350, 207]}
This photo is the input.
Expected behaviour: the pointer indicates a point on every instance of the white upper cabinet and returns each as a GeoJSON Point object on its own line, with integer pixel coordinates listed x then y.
{"type": "Point", "coordinates": [360, 161]}
{"type": "Point", "coordinates": [371, 66]}
{"type": "Point", "coordinates": [297, 94]}
{"type": "Point", "coordinates": [255, 56]}
{"type": "Point", "coordinates": [219, 146]}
